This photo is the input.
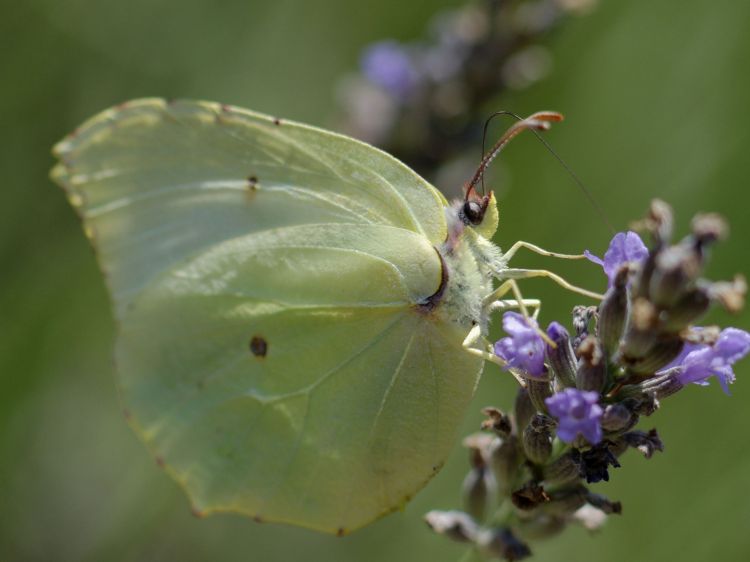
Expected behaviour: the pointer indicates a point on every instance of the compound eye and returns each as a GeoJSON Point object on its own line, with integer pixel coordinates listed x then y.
{"type": "Point", "coordinates": [473, 212]}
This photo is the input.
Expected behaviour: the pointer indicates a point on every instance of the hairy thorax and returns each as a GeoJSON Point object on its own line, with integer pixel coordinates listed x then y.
{"type": "Point", "coordinates": [471, 263]}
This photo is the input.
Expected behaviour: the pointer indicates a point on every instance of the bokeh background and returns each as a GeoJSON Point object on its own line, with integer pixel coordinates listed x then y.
{"type": "Point", "coordinates": [656, 95]}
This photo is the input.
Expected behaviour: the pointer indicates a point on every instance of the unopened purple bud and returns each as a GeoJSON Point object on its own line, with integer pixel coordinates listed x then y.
{"type": "Point", "coordinates": [561, 358]}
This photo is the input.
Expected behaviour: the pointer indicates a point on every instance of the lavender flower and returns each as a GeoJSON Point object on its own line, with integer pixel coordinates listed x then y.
{"type": "Point", "coordinates": [625, 247]}
{"type": "Point", "coordinates": [637, 348]}
{"type": "Point", "coordinates": [524, 349]}
{"type": "Point", "coordinates": [698, 362]}
{"type": "Point", "coordinates": [388, 65]}
{"type": "Point", "coordinates": [577, 411]}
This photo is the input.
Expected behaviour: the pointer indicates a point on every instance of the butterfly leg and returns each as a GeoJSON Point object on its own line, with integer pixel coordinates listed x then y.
{"type": "Point", "coordinates": [476, 341]}
{"type": "Point", "coordinates": [537, 250]}
{"type": "Point", "coordinates": [489, 305]}
{"type": "Point", "coordinates": [514, 273]}
{"type": "Point", "coordinates": [476, 344]}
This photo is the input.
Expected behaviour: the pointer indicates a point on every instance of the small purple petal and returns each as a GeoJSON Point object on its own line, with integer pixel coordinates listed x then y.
{"type": "Point", "coordinates": [524, 348]}
{"type": "Point", "coordinates": [733, 344]}
{"type": "Point", "coordinates": [625, 247]}
{"type": "Point", "coordinates": [388, 65]}
{"type": "Point", "coordinates": [591, 257]}
{"type": "Point", "coordinates": [577, 411]}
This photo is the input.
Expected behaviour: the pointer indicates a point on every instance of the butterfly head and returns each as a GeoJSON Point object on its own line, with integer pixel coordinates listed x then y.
{"type": "Point", "coordinates": [479, 212]}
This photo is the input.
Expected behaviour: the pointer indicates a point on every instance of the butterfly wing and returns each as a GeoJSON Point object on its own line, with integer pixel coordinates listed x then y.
{"type": "Point", "coordinates": [269, 280]}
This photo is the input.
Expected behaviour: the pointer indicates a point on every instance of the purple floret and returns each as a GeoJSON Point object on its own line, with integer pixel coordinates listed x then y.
{"type": "Point", "coordinates": [625, 247]}
{"type": "Point", "coordinates": [699, 362]}
{"type": "Point", "coordinates": [524, 349]}
{"type": "Point", "coordinates": [577, 411]}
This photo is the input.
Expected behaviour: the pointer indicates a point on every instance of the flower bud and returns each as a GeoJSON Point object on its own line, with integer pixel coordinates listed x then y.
{"type": "Point", "coordinates": [602, 503]}
{"type": "Point", "coordinates": [529, 497]}
{"type": "Point", "coordinates": [497, 422]}
{"type": "Point", "coordinates": [479, 484]}
{"type": "Point", "coordinates": [663, 352]}
{"type": "Point", "coordinates": [537, 438]}
{"type": "Point", "coordinates": [538, 391]}
{"type": "Point", "coordinates": [523, 408]}
{"type": "Point", "coordinates": [676, 268]}
{"type": "Point", "coordinates": [455, 525]}
{"type": "Point", "coordinates": [504, 460]}
{"type": "Point", "coordinates": [582, 316]}
{"type": "Point", "coordinates": [561, 359]}
{"type": "Point", "coordinates": [542, 526]}
{"type": "Point", "coordinates": [478, 488]}
{"type": "Point", "coordinates": [502, 543]}
{"type": "Point", "coordinates": [617, 417]}
{"type": "Point", "coordinates": [613, 313]}
{"type": "Point", "coordinates": [691, 306]}
{"type": "Point", "coordinates": [731, 294]}
{"type": "Point", "coordinates": [566, 502]}
{"type": "Point", "coordinates": [640, 335]}
{"type": "Point", "coordinates": [708, 228]}
{"type": "Point", "coordinates": [646, 442]}
{"type": "Point", "coordinates": [591, 370]}
{"type": "Point", "coordinates": [659, 222]}
{"type": "Point", "coordinates": [566, 468]}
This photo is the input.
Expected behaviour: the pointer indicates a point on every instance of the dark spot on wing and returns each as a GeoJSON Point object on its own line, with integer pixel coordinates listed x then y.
{"type": "Point", "coordinates": [276, 121]}
{"type": "Point", "coordinates": [253, 181]}
{"type": "Point", "coordinates": [259, 346]}
{"type": "Point", "coordinates": [340, 532]}
{"type": "Point", "coordinates": [197, 513]}
{"type": "Point", "coordinates": [160, 462]}
{"type": "Point", "coordinates": [258, 519]}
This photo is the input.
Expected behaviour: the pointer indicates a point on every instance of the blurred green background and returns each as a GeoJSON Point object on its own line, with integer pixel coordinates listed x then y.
{"type": "Point", "coordinates": [656, 97]}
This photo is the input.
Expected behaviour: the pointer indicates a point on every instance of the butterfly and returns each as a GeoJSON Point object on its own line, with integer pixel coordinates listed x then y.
{"type": "Point", "coordinates": [301, 319]}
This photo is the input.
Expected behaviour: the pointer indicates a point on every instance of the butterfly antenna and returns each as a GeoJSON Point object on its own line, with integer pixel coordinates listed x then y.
{"type": "Point", "coordinates": [540, 121]}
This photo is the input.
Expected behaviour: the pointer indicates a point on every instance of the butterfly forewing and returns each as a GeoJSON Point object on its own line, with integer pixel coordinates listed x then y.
{"type": "Point", "coordinates": [275, 347]}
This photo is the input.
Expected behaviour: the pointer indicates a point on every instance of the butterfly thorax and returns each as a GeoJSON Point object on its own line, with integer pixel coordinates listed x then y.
{"type": "Point", "coordinates": [469, 260]}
